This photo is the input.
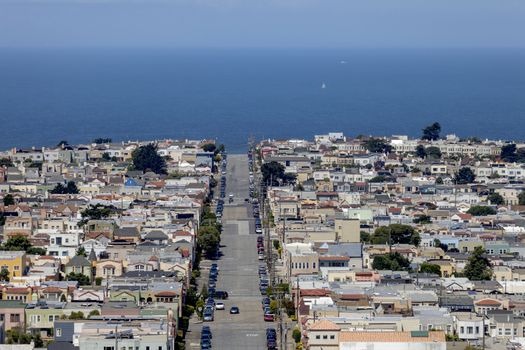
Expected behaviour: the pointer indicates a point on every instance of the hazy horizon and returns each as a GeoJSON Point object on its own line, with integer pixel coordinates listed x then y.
{"type": "Point", "coordinates": [338, 24]}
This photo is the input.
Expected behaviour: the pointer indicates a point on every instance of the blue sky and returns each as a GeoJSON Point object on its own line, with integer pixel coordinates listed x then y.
{"type": "Point", "coordinates": [262, 23]}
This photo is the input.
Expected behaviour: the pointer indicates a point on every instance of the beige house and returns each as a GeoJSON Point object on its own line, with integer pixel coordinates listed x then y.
{"type": "Point", "coordinates": [323, 334]}
{"type": "Point", "coordinates": [469, 246]}
{"type": "Point", "coordinates": [108, 268]}
{"type": "Point", "coordinates": [347, 230]}
{"type": "Point", "coordinates": [502, 273]}
{"type": "Point", "coordinates": [301, 259]}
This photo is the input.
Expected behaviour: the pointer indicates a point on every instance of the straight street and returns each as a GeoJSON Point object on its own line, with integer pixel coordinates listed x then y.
{"type": "Point", "coordinates": [237, 271]}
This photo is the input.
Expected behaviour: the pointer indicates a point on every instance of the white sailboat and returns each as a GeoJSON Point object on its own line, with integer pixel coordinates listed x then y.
{"type": "Point", "coordinates": [323, 86]}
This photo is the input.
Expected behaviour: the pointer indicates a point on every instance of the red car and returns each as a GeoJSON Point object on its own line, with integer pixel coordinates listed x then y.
{"type": "Point", "coordinates": [269, 317]}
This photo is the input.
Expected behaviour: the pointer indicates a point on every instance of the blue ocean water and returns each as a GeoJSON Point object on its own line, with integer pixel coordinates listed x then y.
{"type": "Point", "coordinates": [77, 95]}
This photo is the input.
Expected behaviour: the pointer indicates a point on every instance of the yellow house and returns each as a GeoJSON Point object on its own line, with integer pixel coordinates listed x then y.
{"type": "Point", "coordinates": [447, 266]}
{"type": "Point", "coordinates": [14, 262]}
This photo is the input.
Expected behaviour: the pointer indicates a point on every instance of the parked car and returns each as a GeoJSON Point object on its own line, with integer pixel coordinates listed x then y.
{"type": "Point", "coordinates": [269, 317]}
{"type": "Point", "coordinates": [208, 315]}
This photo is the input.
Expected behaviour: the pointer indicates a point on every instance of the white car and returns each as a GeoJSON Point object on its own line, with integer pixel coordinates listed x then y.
{"type": "Point", "coordinates": [219, 305]}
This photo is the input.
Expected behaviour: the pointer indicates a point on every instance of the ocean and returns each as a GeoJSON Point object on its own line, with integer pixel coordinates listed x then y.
{"type": "Point", "coordinates": [78, 95]}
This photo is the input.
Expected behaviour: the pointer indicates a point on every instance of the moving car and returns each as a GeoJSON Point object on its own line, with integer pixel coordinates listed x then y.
{"type": "Point", "coordinates": [219, 305]}
{"type": "Point", "coordinates": [220, 294]}
{"type": "Point", "coordinates": [234, 310]}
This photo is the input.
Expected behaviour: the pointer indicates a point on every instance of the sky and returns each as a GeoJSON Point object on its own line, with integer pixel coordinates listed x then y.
{"type": "Point", "coordinates": [263, 23]}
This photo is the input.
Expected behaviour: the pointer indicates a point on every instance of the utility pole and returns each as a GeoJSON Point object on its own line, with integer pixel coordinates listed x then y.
{"type": "Point", "coordinates": [483, 330]}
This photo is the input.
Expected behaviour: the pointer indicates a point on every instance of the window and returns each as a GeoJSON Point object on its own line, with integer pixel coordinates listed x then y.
{"type": "Point", "coordinates": [58, 332]}
{"type": "Point", "coordinates": [160, 347]}
{"type": "Point", "coordinates": [508, 331]}
{"type": "Point", "coordinates": [17, 267]}
{"type": "Point", "coordinates": [477, 329]}
{"type": "Point", "coordinates": [50, 318]}
{"type": "Point", "coordinates": [14, 318]}
{"type": "Point", "coordinates": [317, 337]}
{"type": "Point", "coordinates": [470, 330]}
{"type": "Point", "coordinates": [500, 332]}
{"type": "Point", "coordinates": [325, 337]}
{"type": "Point", "coordinates": [109, 348]}
{"type": "Point", "coordinates": [462, 330]}
{"type": "Point", "coordinates": [332, 336]}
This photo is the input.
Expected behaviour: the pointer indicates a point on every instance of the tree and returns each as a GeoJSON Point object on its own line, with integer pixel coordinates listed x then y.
{"type": "Point", "coordinates": [146, 158]}
{"type": "Point", "coordinates": [465, 175]}
{"type": "Point", "coordinates": [431, 132]}
{"type": "Point", "coordinates": [421, 151]}
{"type": "Point", "coordinates": [204, 292]}
{"type": "Point", "coordinates": [496, 198]}
{"type": "Point", "coordinates": [433, 152]}
{"type": "Point", "coordinates": [9, 199]}
{"type": "Point", "coordinates": [209, 147]}
{"type": "Point", "coordinates": [430, 268]}
{"type": "Point", "coordinates": [17, 243]}
{"type": "Point", "coordinates": [101, 140]}
{"type": "Point", "coordinates": [16, 336]}
{"type": "Point", "coordinates": [93, 313]}
{"type": "Point", "coordinates": [81, 251]}
{"type": "Point", "coordinates": [274, 175]}
{"type": "Point", "coordinates": [76, 315]}
{"type": "Point", "coordinates": [379, 178]}
{"type": "Point", "coordinates": [396, 234]}
{"type": "Point", "coordinates": [296, 334]}
{"type": "Point", "coordinates": [4, 275]}
{"type": "Point", "coordinates": [82, 279]}
{"type": "Point", "coordinates": [274, 306]}
{"type": "Point", "coordinates": [95, 212]}
{"type": "Point", "coordinates": [392, 261]}
{"type": "Point", "coordinates": [521, 198]}
{"type": "Point", "coordinates": [437, 243]}
{"type": "Point", "coordinates": [480, 210]}
{"type": "Point", "coordinates": [70, 188]}
{"type": "Point", "coordinates": [422, 219]}
{"type": "Point", "coordinates": [508, 153]}
{"type": "Point", "coordinates": [36, 251]}
{"type": "Point", "coordinates": [374, 145]}
{"type": "Point", "coordinates": [478, 266]}
{"type": "Point", "coordinates": [38, 342]}
{"type": "Point", "coordinates": [6, 162]}
{"type": "Point", "coordinates": [62, 144]}
{"type": "Point", "coordinates": [106, 156]}
{"type": "Point", "coordinates": [364, 237]}
{"type": "Point", "coordinates": [208, 238]}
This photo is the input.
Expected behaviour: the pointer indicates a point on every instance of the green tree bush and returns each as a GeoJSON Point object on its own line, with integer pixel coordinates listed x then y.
{"type": "Point", "coordinates": [478, 266]}
{"type": "Point", "coordinates": [146, 158]}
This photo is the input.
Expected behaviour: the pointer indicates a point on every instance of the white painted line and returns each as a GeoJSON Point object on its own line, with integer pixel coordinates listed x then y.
{"type": "Point", "coordinates": [252, 335]}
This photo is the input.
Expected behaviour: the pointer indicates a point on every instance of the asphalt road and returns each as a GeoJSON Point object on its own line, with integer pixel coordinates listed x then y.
{"type": "Point", "coordinates": [238, 270]}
